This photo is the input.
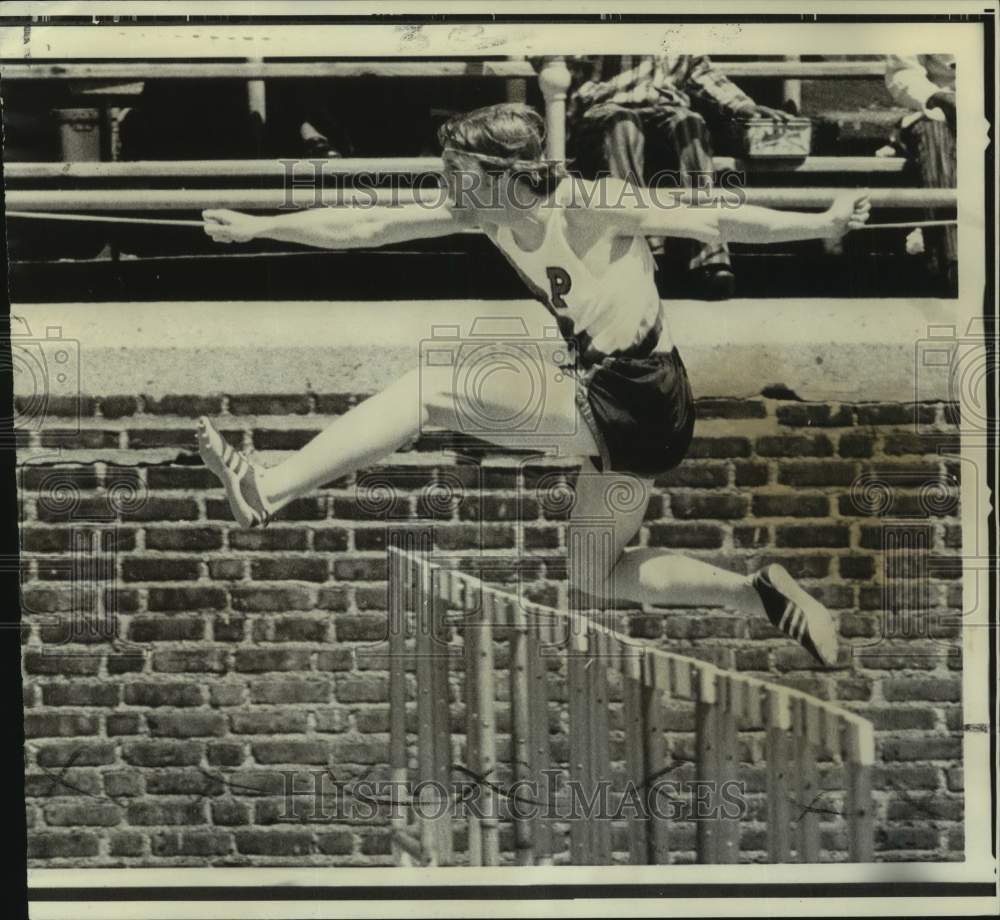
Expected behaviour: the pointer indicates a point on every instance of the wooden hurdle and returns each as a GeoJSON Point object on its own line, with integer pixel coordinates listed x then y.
{"type": "Point", "coordinates": [798, 732]}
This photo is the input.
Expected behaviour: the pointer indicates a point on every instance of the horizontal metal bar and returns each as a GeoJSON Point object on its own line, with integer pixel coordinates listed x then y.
{"type": "Point", "coordinates": [278, 198]}
{"type": "Point", "coordinates": [251, 70]}
{"type": "Point", "coordinates": [813, 165]}
{"type": "Point", "coordinates": [247, 70]}
{"type": "Point", "coordinates": [805, 70]}
{"type": "Point", "coordinates": [303, 168]}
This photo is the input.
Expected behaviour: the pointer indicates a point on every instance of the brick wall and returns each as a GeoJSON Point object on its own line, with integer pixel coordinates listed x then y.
{"type": "Point", "coordinates": [253, 647]}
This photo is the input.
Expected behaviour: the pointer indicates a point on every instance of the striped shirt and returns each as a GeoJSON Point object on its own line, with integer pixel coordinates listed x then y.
{"type": "Point", "coordinates": [663, 79]}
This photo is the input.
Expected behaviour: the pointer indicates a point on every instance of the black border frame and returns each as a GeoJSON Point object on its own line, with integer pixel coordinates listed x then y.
{"type": "Point", "coordinates": [558, 891]}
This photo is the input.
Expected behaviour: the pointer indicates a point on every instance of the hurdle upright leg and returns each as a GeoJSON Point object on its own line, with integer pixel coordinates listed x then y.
{"type": "Point", "coordinates": [520, 730]}
{"type": "Point", "coordinates": [580, 841]}
{"type": "Point", "coordinates": [433, 725]}
{"type": "Point", "coordinates": [778, 754]}
{"type": "Point", "coordinates": [728, 843]}
{"type": "Point", "coordinates": [633, 712]}
{"type": "Point", "coordinates": [656, 682]}
{"type": "Point", "coordinates": [859, 751]}
{"type": "Point", "coordinates": [441, 696]}
{"type": "Point", "coordinates": [398, 760]}
{"type": "Point", "coordinates": [483, 751]}
{"type": "Point", "coordinates": [707, 716]}
{"type": "Point", "coordinates": [600, 760]}
{"type": "Point", "coordinates": [806, 785]}
{"type": "Point", "coordinates": [471, 639]}
{"type": "Point", "coordinates": [541, 756]}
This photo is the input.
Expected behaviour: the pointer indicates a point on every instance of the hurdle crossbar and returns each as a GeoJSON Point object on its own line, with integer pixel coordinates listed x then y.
{"type": "Point", "coordinates": [448, 608]}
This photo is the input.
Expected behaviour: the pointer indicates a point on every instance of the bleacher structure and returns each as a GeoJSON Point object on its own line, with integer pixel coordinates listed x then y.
{"type": "Point", "coordinates": [107, 85]}
{"type": "Point", "coordinates": [102, 91]}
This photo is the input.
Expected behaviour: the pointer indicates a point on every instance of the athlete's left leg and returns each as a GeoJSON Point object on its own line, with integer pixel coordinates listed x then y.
{"type": "Point", "coordinates": [642, 575]}
{"type": "Point", "coordinates": [601, 565]}
{"type": "Point", "coordinates": [493, 400]}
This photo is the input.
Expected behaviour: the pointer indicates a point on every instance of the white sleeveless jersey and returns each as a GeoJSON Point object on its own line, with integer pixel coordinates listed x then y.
{"type": "Point", "coordinates": [614, 304]}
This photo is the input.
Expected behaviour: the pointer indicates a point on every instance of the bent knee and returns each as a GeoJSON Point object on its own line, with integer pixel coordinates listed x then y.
{"type": "Point", "coordinates": [626, 125]}
{"type": "Point", "coordinates": [688, 121]}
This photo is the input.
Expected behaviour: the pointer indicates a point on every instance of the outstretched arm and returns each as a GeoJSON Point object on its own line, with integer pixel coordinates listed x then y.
{"type": "Point", "coordinates": [337, 227]}
{"type": "Point", "coordinates": [751, 224]}
{"type": "Point", "coordinates": [745, 223]}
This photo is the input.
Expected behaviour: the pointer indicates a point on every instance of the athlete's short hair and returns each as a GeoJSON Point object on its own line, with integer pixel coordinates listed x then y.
{"type": "Point", "coordinates": [507, 137]}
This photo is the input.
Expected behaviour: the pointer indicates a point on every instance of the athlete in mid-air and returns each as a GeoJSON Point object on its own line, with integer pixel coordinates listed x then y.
{"type": "Point", "coordinates": [627, 408]}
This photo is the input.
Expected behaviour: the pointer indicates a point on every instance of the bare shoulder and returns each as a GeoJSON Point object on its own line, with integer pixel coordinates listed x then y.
{"type": "Point", "coordinates": [607, 204]}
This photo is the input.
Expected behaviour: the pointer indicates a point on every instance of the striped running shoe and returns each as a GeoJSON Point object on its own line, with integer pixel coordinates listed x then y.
{"type": "Point", "coordinates": [796, 614]}
{"type": "Point", "coordinates": [237, 474]}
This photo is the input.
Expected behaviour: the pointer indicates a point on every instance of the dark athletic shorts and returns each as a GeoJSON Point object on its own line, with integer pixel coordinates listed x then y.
{"type": "Point", "coordinates": [639, 409]}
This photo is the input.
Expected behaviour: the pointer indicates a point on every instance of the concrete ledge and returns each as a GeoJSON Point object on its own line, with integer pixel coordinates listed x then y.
{"type": "Point", "coordinates": [846, 350]}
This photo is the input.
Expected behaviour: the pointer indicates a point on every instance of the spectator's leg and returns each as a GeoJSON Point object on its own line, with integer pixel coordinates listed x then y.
{"type": "Point", "coordinates": [932, 146]}
{"type": "Point", "coordinates": [609, 139]}
{"type": "Point", "coordinates": [685, 145]}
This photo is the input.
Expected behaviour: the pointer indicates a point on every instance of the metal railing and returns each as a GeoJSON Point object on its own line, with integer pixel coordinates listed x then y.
{"type": "Point", "coordinates": [249, 199]}
{"type": "Point", "coordinates": [282, 168]}
{"type": "Point", "coordinates": [276, 69]}
{"type": "Point", "coordinates": [554, 80]}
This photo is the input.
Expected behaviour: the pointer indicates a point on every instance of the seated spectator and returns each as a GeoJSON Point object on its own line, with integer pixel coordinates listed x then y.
{"type": "Point", "coordinates": [350, 117]}
{"type": "Point", "coordinates": [632, 116]}
{"type": "Point", "coordinates": [925, 84]}
{"type": "Point", "coordinates": [305, 120]}
{"type": "Point", "coordinates": [191, 120]}
{"type": "Point", "coordinates": [184, 120]}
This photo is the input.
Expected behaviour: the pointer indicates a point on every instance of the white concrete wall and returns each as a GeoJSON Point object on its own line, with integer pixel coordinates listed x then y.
{"type": "Point", "coordinates": [849, 350]}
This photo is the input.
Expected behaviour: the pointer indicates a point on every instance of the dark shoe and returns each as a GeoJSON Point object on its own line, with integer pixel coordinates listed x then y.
{"type": "Point", "coordinates": [715, 282]}
{"type": "Point", "coordinates": [796, 614]}
{"type": "Point", "coordinates": [317, 148]}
